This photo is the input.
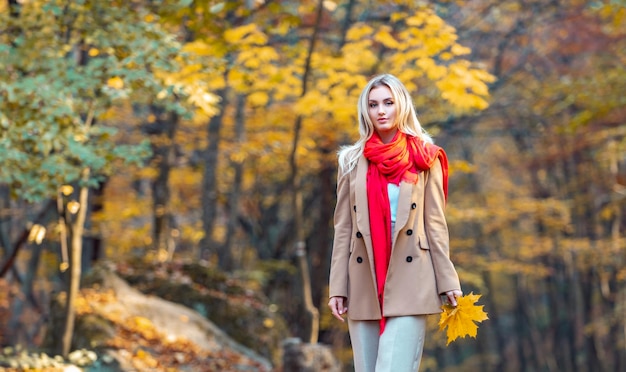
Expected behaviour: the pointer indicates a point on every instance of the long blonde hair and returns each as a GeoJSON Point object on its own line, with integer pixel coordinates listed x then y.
{"type": "Point", "coordinates": [406, 118]}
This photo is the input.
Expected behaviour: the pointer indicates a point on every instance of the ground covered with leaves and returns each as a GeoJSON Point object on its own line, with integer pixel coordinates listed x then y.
{"type": "Point", "coordinates": [119, 328]}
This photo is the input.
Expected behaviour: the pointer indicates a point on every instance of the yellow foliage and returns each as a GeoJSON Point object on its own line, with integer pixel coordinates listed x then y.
{"type": "Point", "coordinates": [432, 70]}
{"type": "Point", "coordinates": [258, 99]}
{"type": "Point", "coordinates": [199, 48]}
{"type": "Point", "coordinates": [312, 102]}
{"type": "Point", "coordinates": [37, 233]}
{"type": "Point", "coordinates": [459, 50]}
{"type": "Point", "coordinates": [115, 83]}
{"type": "Point", "coordinates": [245, 35]}
{"type": "Point", "coordinates": [358, 56]}
{"type": "Point", "coordinates": [461, 320]}
{"type": "Point", "coordinates": [359, 31]}
{"type": "Point", "coordinates": [204, 100]}
{"type": "Point", "coordinates": [416, 20]}
{"type": "Point", "coordinates": [66, 190]}
{"type": "Point", "coordinates": [385, 38]}
{"type": "Point", "coordinates": [462, 166]}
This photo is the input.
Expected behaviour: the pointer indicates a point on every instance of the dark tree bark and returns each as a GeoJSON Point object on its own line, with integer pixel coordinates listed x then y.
{"type": "Point", "coordinates": [225, 253]}
{"type": "Point", "coordinates": [164, 152]}
{"type": "Point", "coordinates": [23, 237]}
{"type": "Point", "coordinates": [5, 221]}
{"type": "Point", "coordinates": [209, 178]}
{"type": "Point", "coordinates": [296, 190]}
{"type": "Point", "coordinates": [19, 302]}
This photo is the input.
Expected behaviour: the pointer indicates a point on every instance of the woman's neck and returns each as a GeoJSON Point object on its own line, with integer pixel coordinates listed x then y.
{"type": "Point", "coordinates": [387, 136]}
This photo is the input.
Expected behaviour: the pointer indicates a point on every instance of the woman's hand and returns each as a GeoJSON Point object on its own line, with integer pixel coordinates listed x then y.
{"type": "Point", "coordinates": [452, 295]}
{"type": "Point", "coordinates": [339, 306]}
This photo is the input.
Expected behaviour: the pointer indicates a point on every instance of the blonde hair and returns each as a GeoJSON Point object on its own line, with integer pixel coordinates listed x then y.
{"type": "Point", "coordinates": [406, 118]}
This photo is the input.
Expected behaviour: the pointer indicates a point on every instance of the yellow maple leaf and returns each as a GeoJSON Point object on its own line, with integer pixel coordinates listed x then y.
{"type": "Point", "coordinates": [462, 320]}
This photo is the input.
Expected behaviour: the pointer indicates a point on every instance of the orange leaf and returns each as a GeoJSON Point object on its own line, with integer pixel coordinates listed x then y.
{"type": "Point", "coordinates": [462, 320]}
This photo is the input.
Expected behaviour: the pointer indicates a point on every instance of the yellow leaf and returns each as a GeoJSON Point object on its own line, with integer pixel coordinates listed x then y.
{"type": "Point", "coordinates": [37, 233]}
{"type": "Point", "coordinates": [461, 320]}
{"type": "Point", "coordinates": [358, 31]}
{"type": "Point", "coordinates": [73, 206]}
{"type": "Point", "coordinates": [459, 50]}
{"type": "Point", "coordinates": [93, 52]}
{"type": "Point", "coordinates": [116, 82]}
{"type": "Point", "coordinates": [385, 38]}
{"type": "Point", "coordinates": [258, 99]}
{"type": "Point", "coordinates": [142, 323]}
{"type": "Point", "coordinates": [416, 20]}
{"type": "Point", "coordinates": [200, 48]}
{"type": "Point", "coordinates": [64, 266]}
{"type": "Point", "coordinates": [66, 190]}
{"type": "Point", "coordinates": [245, 35]}
{"type": "Point", "coordinates": [396, 16]}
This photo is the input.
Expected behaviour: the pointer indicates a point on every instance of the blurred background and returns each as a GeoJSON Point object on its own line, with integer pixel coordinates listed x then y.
{"type": "Point", "coordinates": [189, 148]}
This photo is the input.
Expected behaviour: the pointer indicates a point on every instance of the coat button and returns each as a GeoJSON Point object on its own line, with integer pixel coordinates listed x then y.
{"type": "Point", "coordinates": [409, 232]}
{"type": "Point", "coordinates": [359, 235]}
{"type": "Point", "coordinates": [355, 208]}
{"type": "Point", "coordinates": [413, 206]}
{"type": "Point", "coordinates": [359, 259]}
{"type": "Point", "coordinates": [408, 258]}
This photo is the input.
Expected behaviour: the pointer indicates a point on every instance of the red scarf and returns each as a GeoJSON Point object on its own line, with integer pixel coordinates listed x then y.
{"type": "Point", "coordinates": [399, 160]}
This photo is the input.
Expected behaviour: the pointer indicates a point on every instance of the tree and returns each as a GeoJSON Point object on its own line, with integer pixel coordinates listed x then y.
{"type": "Point", "coordinates": [544, 150]}
{"type": "Point", "coordinates": [64, 65]}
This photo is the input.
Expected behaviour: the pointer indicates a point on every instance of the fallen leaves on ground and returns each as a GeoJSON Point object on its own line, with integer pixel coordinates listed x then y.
{"type": "Point", "coordinates": [461, 320]}
{"type": "Point", "coordinates": [151, 350]}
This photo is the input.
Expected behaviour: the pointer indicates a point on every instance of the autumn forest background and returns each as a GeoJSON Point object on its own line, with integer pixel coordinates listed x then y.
{"type": "Point", "coordinates": [188, 148]}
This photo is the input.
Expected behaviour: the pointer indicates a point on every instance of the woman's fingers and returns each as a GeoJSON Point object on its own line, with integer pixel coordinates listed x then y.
{"type": "Point", "coordinates": [337, 307]}
{"type": "Point", "coordinates": [452, 295]}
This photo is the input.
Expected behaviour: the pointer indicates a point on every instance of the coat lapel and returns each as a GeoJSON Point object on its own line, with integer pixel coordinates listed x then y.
{"type": "Point", "coordinates": [362, 214]}
{"type": "Point", "coordinates": [404, 209]}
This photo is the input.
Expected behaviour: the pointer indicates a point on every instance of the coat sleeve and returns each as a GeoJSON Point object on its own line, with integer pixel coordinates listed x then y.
{"type": "Point", "coordinates": [437, 231]}
{"type": "Point", "coordinates": [338, 282]}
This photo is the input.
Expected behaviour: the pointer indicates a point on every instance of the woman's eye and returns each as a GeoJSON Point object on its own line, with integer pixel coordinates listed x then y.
{"type": "Point", "coordinates": [372, 105]}
{"type": "Point", "coordinates": [389, 103]}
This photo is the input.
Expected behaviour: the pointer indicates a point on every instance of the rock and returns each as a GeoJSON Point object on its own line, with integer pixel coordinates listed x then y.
{"type": "Point", "coordinates": [245, 314]}
{"type": "Point", "coordinates": [304, 357]}
{"type": "Point", "coordinates": [172, 320]}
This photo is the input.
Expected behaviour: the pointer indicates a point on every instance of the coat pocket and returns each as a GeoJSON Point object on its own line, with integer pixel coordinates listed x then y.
{"type": "Point", "coordinates": [423, 242]}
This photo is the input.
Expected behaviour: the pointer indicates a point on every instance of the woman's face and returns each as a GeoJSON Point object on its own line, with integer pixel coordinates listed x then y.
{"type": "Point", "coordinates": [382, 112]}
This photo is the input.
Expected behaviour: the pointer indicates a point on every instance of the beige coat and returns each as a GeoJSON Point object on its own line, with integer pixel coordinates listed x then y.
{"type": "Point", "coordinates": [419, 269]}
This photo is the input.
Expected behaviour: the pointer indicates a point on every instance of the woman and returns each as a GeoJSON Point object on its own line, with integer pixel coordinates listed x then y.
{"type": "Point", "coordinates": [390, 260]}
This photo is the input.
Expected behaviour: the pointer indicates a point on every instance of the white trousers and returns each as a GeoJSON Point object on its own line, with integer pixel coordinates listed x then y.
{"type": "Point", "coordinates": [398, 349]}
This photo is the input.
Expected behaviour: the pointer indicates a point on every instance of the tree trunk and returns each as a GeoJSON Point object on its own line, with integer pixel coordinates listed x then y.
{"type": "Point", "coordinates": [92, 242]}
{"type": "Point", "coordinates": [209, 180]}
{"type": "Point", "coordinates": [5, 221]}
{"type": "Point", "coordinates": [296, 191]}
{"type": "Point", "coordinates": [15, 322]}
{"type": "Point", "coordinates": [76, 247]}
{"type": "Point", "coordinates": [23, 237]}
{"type": "Point", "coordinates": [165, 153]}
{"type": "Point", "coordinates": [321, 241]}
{"type": "Point", "coordinates": [225, 253]}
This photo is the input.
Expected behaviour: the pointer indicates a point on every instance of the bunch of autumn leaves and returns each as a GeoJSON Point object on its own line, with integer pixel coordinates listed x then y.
{"type": "Point", "coordinates": [461, 320]}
